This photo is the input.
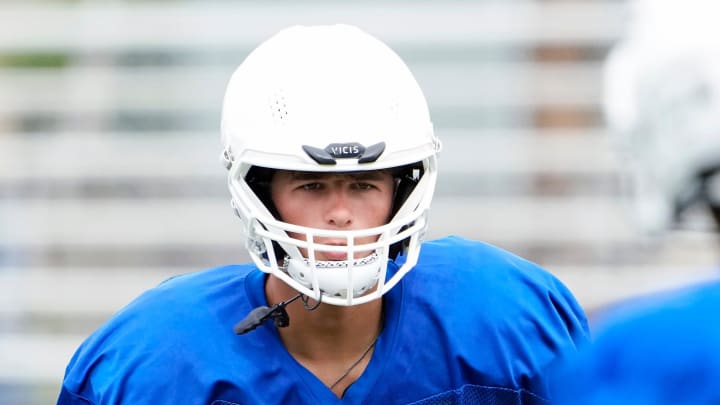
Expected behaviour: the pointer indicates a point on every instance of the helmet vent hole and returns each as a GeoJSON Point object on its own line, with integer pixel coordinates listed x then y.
{"type": "Point", "coordinates": [278, 108]}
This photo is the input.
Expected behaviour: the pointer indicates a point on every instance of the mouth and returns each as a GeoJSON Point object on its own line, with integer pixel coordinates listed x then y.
{"type": "Point", "coordinates": [343, 254]}
{"type": "Point", "coordinates": [332, 256]}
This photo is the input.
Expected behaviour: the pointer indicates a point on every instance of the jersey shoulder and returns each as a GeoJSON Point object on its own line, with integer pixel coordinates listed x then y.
{"type": "Point", "coordinates": [479, 265]}
{"type": "Point", "coordinates": [493, 308]}
{"type": "Point", "coordinates": [164, 331]}
{"type": "Point", "coordinates": [482, 274]}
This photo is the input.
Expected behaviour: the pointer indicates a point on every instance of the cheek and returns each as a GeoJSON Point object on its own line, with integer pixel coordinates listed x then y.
{"type": "Point", "coordinates": [288, 210]}
{"type": "Point", "coordinates": [378, 211]}
{"type": "Point", "coordinates": [284, 203]}
{"type": "Point", "coordinates": [293, 220]}
{"type": "Point", "coordinates": [383, 204]}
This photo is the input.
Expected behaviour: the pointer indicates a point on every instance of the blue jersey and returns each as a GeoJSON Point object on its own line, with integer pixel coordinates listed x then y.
{"type": "Point", "coordinates": [662, 349]}
{"type": "Point", "coordinates": [470, 323]}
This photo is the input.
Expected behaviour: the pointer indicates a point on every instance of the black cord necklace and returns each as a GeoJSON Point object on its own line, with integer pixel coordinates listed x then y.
{"type": "Point", "coordinates": [352, 366]}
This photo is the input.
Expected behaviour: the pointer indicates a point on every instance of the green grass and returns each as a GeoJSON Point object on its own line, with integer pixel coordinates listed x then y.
{"type": "Point", "coordinates": [35, 60]}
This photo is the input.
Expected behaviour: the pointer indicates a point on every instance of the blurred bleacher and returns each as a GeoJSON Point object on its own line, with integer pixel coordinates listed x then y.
{"type": "Point", "coordinates": [110, 179]}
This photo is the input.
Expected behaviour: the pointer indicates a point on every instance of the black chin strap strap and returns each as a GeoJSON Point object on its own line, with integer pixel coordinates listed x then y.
{"type": "Point", "coordinates": [277, 313]}
{"type": "Point", "coordinates": [257, 316]}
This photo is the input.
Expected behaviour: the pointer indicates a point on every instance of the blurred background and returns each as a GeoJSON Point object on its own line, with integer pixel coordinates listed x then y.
{"type": "Point", "coordinates": [110, 179]}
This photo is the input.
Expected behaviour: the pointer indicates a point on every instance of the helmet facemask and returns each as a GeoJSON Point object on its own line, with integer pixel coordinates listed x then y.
{"type": "Point", "coordinates": [361, 278]}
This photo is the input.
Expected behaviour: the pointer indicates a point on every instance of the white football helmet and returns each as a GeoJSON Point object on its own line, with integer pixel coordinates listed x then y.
{"type": "Point", "coordinates": [328, 99]}
{"type": "Point", "coordinates": [662, 104]}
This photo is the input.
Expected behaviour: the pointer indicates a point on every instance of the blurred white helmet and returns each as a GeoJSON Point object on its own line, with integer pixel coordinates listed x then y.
{"type": "Point", "coordinates": [328, 99]}
{"type": "Point", "coordinates": [662, 104]}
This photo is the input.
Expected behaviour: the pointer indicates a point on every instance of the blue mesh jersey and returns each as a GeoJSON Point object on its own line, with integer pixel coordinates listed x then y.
{"type": "Point", "coordinates": [470, 324]}
{"type": "Point", "coordinates": [662, 349]}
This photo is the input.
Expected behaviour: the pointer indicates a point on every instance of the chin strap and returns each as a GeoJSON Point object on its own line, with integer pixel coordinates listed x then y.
{"type": "Point", "coordinates": [257, 316]}
{"type": "Point", "coordinates": [333, 264]}
{"type": "Point", "coordinates": [331, 274]}
{"type": "Point", "coordinates": [277, 313]}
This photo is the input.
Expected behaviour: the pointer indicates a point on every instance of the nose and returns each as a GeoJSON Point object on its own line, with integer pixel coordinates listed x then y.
{"type": "Point", "coordinates": [339, 212]}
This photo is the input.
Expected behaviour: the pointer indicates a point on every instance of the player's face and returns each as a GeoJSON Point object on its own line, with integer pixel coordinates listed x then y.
{"type": "Point", "coordinates": [347, 201]}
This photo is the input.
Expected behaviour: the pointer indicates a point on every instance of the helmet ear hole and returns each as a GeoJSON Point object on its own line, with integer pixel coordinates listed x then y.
{"type": "Point", "coordinates": [407, 178]}
{"type": "Point", "coordinates": [259, 180]}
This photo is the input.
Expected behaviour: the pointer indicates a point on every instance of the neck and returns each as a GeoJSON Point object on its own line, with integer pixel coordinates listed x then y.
{"type": "Point", "coordinates": [329, 339]}
{"type": "Point", "coordinates": [326, 323]}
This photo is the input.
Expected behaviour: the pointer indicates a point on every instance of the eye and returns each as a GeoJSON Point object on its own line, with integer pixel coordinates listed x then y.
{"type": "Point", "coordinates": [363, 186]}
{"type": "Point", "coordinates": [310, 186]}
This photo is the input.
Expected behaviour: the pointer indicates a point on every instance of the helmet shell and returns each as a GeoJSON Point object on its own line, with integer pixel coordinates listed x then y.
{"type": "Point", "coordinates": [323, 85]}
